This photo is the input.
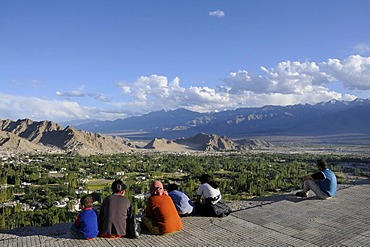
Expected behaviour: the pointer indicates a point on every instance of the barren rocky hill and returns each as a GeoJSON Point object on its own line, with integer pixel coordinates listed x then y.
{"type": "Point", "coordinates": [28, 136]}
{"type": "Point", "coordinates": [205, 142]}
{"type": "Point", "coordinates": [162, 144]}
{"type": "Point", "coordinates": [12, 142]}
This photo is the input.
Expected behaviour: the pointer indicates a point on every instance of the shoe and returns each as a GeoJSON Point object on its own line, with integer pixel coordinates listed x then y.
{"type": "Point", "coordinates": [301, 194]}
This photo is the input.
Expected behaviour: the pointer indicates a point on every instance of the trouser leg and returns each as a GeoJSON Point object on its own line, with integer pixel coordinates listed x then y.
{"type": "Point", "coordinates": [75, 231]}
{"type": "Point", "coordinates": [312, 185]}
{"type": "Point", "coordinates": [148, 222]}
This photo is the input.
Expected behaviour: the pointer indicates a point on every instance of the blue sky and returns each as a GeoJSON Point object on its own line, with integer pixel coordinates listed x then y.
{"type": "Point", "coordinates": [68, 60]}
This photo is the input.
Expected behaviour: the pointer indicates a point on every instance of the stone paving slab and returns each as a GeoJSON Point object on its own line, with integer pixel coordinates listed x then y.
{"type": "Point", "coordinates": [283, 220]}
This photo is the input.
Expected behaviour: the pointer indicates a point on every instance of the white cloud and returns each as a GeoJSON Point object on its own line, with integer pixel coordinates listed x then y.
{"type": "Point", "coordinates": [289, 82]}
{"type": "Point", "coordinates": [206, 95]}
{"type": "Point", "coordinates": [286, 78]}
{"type": "Point", "coordinates": [99, 97]}
{"type": "Point", "coordinates": [36, 83]}
{"type": "Point", "coordinates": [81, 93]}
{"type": "Point", "coordinates": [353, 72]}
{"type": "Point", "coordinates": [15, 107]}
{"type": "Point", "coordinates": [126, 89]}
{"type": "Point", "coordinates": [152, 88]}
{"type": "Point", "coordinates": [302, 78]}
{"type": "Point", "coordinates": [242, 80]}
{"type": "Point", "coordinates": [362, 48]}
{"type": "Point", "coordinates": [217, 13]}
{"type": "Point", "coordinates": [74, 93]}
{"type": "Point", "coordinates": [38, 109]}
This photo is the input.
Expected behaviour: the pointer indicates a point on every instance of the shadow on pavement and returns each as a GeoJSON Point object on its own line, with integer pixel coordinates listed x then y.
{"type": "Point", "coordinates": [57, 231]}
{"type": "Point", "coordinates": [361, 182]}
{"type": "Point", "coordinates": [61, 230]}
{"type": "Point", "coordinates": [291, 197]}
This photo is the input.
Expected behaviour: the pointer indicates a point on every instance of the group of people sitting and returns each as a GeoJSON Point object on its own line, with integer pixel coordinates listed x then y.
{"type": "Point", "coordinates": [164, 208]}
{"type": "Point", "coordinates": [162, 214]}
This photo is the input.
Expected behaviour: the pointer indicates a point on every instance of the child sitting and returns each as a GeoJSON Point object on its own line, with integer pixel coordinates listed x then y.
{"type": "Point", "coordinates": [86, 224]}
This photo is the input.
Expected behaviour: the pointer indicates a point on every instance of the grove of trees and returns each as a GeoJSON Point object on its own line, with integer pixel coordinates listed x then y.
{"type": "Point", "coordinates": [37, 181]}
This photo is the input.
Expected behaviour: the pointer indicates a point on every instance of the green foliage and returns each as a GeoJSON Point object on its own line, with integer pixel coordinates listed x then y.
{"type": "Point", "coordinates": [240, 176]}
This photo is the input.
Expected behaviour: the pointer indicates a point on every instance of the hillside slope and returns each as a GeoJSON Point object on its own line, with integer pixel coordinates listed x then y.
{"type": "Point", "coordinates": [26, 135]}
{"type": "Point", "coordinates": [205, 142]}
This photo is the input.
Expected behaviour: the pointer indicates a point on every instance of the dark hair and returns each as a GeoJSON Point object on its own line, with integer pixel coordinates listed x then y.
{"type": "Point", "coordinates": [205, 178]}
{"type": "Point", "coordinates": [322, 163]}
{"type": "Point", "coordinates": [118, 186]}
{"type": "Point", "coordinates": [87, 201]}
{"type": "Point", "coordinates": [172, 187]}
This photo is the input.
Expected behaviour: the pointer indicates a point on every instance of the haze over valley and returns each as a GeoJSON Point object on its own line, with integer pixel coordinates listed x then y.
{"type": "Point", "coordinates": [334, 126]}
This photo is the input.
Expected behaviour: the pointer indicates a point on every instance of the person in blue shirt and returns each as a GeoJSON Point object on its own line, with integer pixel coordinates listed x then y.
{"type": "Point", "coordinates": [322, 183]}
{"type": "Point", "coordinates": [183, 204]}
{"type": "Point", "coordinates": [86, 224]}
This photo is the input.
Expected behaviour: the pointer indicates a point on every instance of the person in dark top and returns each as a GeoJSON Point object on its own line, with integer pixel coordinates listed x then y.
{"type": "Point", "coordinates": [322, 183]}
{"type": "Point", "coordinates": [113, 212]}
{"type": "Point", "coordinates": [86, 224]}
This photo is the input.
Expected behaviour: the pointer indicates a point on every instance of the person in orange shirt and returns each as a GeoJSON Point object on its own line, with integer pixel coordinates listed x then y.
{"type": "Point", "coordinates": [160, 216]}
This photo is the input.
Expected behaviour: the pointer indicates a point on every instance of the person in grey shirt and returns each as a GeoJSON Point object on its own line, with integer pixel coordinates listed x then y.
{"type": "Point", "coordinates": [113, 212]}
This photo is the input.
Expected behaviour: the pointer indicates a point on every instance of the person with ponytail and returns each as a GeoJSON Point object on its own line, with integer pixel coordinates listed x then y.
{"type": "Point", "coordinates": [209, 200]}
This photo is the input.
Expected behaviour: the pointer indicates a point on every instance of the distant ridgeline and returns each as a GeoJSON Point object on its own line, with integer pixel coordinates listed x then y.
{"type": "Point", "coordinates": [326, 118]}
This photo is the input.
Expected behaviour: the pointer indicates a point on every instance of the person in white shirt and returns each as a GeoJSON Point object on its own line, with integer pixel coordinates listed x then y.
{"type": "Point", "coordinates": [209, 200]}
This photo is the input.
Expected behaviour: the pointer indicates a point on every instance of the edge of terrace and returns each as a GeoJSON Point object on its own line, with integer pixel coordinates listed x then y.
{"type": "Point", "coordinates": [281, 220]}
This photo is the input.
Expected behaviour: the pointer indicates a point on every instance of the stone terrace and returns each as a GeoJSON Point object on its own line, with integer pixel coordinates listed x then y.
{"type": "Point", "coordinates": [283, 220]}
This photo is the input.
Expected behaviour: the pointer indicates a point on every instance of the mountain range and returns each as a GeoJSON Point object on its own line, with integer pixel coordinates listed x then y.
{"type": "Point", "coordinates": [326, 118]}
{"type": "Point", "coordinates": [27, 136]}
{"type": "Point", "coordinates": [184, 130]}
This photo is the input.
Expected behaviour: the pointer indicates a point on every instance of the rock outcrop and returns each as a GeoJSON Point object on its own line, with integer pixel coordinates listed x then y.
{"type": "Point", "coordinates": [28, 136]}
{"type": "Point", "coordinates": [214, 142]}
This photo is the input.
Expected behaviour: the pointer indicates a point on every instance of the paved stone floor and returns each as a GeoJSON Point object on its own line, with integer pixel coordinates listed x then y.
{"type": "Point", "coordinates": [283, 220]}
